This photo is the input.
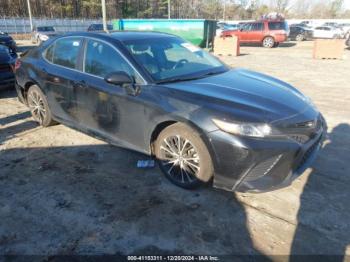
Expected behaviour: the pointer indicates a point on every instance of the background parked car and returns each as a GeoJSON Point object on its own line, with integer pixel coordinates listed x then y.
{"type": "Point", "coordinates": [43, 33]}
{"type": "Point", "coordinates": [99, 27]}
{"type": "Point", "coordinates": [268, 33]}
{"type": "Point", "coordinates": [8, 41]}
{"type": "Point", "coordinates": [299, 33]}
{"type": "Point", "coordinates": [327, 32]}
{"type": "Point", "coordinates": [7, 62]}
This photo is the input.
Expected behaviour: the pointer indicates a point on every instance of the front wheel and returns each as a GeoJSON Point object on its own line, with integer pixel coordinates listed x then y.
{"type": "Point", "coordinates": [183, 157]}
{"type": "Point", "coordinates": [268, 42]}
{"type": "Point", "coordinates": [39, 107]}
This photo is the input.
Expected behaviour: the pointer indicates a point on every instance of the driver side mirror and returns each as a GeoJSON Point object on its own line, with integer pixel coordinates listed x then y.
{"type": "Point", "coordinates": [119, 78]}
{"type": "Point", "coordinates": [122, 79]}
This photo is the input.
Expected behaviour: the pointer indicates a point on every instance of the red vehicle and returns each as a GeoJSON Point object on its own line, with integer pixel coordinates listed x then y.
{"type": "Point", "coordinates": [267, 32]}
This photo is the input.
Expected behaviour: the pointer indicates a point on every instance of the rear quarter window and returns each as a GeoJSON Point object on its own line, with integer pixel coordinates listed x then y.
{"type": "Point", "coordinates": [277, 26]}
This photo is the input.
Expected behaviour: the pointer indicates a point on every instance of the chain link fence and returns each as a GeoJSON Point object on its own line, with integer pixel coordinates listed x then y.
{"type": "Point", "coordinates": [21, 26]}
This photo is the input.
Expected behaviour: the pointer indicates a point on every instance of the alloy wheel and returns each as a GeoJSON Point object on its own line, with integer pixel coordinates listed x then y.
{"type": "Point", "coordinates": [268, 42]}
{"type": "Point", "coordinates": [36, 106]}
{"type": "Point", "coordinates": [180, 159]}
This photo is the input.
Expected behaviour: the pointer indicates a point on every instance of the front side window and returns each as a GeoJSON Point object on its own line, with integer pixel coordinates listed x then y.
{"type": "Point", "coordinates": [102, 59]}
{"type": "Point", "coordinates": [66, 52]}
{"type": "Point", "coordinates": [169, 58]}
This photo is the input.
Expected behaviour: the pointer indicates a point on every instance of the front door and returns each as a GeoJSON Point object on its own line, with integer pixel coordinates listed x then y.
{"type": "Point", "coordinates": [107, 109]}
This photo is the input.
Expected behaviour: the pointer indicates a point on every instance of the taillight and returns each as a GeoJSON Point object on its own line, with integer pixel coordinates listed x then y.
{"type": "Point", "coordinates": [17, 65]}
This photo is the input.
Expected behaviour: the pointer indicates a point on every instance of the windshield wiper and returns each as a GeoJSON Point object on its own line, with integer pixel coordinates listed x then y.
{"type": "Point", "coordinates": [180, 79]}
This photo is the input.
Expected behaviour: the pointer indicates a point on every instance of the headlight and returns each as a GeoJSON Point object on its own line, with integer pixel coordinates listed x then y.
{"type": "Point", "coordinates": [244, 129]}
{"type": "Point", "coordinates": [43, 37]}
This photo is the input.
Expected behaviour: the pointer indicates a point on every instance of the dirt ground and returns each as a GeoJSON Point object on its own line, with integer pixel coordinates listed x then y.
{"type": "Point", "coordinates": [63, 192]}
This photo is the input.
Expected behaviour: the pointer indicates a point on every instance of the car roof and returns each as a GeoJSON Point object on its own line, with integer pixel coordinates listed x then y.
{"type": "Point", "coordinates": [120, 35]}
{"type": "Point", "coordinates": [136, 35]}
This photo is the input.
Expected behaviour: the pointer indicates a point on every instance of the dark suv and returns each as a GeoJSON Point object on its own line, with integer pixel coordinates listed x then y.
{"type": "Point", "coordinates": [300, 33]}
{"type": "Point", "coordinates": [268, 33]}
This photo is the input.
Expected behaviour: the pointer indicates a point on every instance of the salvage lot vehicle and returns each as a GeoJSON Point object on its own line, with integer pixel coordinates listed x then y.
{"type": "Point", "coordinates": [157, 94]}
{"type": "Point", "coordinates": [299, 33]}
{"type": "Point", "coordinates": [43, 33]}
{"type": "Point", "coordinates": [99, 27]}
{"type": "Point", "coordinates": [8, 41]}
{"type": "Point", "coordinates": [7, 62]}
{"type": "Point", "coordinates": [267, 32]}
{"type": "Point", "coordinates": [327, 32]}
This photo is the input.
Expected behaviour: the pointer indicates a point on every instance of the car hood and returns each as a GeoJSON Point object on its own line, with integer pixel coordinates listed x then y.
{"type": "Point", "coordinates": [250, 95]}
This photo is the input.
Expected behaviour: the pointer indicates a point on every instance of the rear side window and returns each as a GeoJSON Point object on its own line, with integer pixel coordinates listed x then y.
{"type": "Point", "coordinates": [257, 27]}
{"type": "Point", "coordinates": [277, 25]}
{"type": "Point", "coordinates": [66, 52]}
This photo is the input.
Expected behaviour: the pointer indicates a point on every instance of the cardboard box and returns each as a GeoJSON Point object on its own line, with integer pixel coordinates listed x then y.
{"type": "Point", "coordinates": [328, 48]}
{"type": "Point", "coordinates": [226, 46]}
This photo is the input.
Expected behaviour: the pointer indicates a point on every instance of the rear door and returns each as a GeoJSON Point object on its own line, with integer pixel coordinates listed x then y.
{"type": "Point", "coordinates": [59, 76]}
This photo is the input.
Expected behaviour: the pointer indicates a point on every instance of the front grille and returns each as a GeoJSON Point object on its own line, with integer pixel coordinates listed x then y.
{"type": "Point", "coordinates": [301, 139]}
{"type": "Point", "coordinates": [308, 153]}
{"type": "Point", "coordinates": [263, 168]}
{"type": "Point", "coordinates": [5, 68]}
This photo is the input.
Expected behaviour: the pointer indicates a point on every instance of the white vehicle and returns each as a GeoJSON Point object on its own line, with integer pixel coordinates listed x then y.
{"type": "Point", "coordinates": [327, 32]}
{"type": "Point", "coordinates": [42, 33]}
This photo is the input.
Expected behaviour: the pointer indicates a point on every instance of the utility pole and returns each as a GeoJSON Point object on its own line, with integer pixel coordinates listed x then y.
{"type": "Point", "coordinates": [224, 12]}
{"type": "Point", "coordinates": [104, 20]}
{"type": "Point", "coordinates": [30, 16]}
{"type": "Point", "coordinates": [169, 9]}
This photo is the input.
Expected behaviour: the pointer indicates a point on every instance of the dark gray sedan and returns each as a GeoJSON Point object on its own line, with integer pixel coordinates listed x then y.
{"type": "Point", "coordinates": [160, 95]}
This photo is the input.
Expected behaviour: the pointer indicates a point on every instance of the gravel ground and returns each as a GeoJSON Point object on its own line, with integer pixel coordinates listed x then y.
{"type": "Point", "coordinates": [63, 192]}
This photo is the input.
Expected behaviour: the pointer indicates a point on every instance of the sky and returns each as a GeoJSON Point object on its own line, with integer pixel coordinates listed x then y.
{"type": "Point", "coordinates": [345, 6]}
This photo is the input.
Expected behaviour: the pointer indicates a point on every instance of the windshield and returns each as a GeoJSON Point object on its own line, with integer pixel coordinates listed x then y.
{"type": "Point", "coordinates": [46, 29]}
{"type": "Point", "coordinates": [171, 58]}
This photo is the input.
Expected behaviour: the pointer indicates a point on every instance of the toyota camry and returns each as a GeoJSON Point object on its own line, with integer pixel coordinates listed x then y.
{"type": "Point", "coordinates": [160, 95]}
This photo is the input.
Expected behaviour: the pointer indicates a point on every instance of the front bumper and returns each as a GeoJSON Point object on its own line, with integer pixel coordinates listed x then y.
{"type": "Point", "coordinates": [257, 165]}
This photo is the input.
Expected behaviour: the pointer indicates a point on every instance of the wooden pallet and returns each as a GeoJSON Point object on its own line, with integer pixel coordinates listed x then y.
{"type": "Point", "coordinates": [328, 48]}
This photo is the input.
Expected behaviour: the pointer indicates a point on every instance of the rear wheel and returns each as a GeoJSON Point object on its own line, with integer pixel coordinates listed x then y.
{"type": "Point", "coordinates": [300, 37]}
{"type": "Point", "coordinates": [183, 157]}
{"type": "Point", "coordinates": [39, 107]}
{"type": "Point", "coordinates": [268, 42]}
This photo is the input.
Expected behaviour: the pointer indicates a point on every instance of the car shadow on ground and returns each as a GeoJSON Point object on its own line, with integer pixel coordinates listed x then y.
{"type": "Point", "coordinates": [324, 213]}
{"type": "Point", "coordinates": [92, 199]}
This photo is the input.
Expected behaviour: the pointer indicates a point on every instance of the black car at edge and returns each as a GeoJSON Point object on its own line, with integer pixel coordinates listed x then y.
{"type": "Point", "coordinates": [7, 64]}
{"type": "Point", "coordinates": [160, 95]}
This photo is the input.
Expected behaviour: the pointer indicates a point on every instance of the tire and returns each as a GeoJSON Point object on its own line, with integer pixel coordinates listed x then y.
{"type": "Point", "coordinates": [300, 37]}
{"type": "Point", "coordinates": [268, 42]}
{"type": "Point", "coordinates": [191, 173]}
{"type": "Point", "coordinates": [39, 107]}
